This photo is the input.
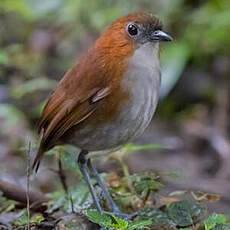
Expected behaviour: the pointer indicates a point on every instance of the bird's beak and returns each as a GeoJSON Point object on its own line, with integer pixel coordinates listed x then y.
{"type": "Point", "coordinates": [159, 35]}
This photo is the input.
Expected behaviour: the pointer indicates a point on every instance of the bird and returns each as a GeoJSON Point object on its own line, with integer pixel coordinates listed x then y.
{"type": "Point", "coordinates": [108, 98]}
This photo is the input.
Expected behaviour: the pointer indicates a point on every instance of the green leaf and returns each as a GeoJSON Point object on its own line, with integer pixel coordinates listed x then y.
{"type": "Point", "coordinates": [214, 219]}
{"type": "Point", "coordinates": [185, 229]}
{"type": "Point", "coordinates": [97, 218]}
{"type": "Point", "coordinates": [10, 207]}
{"type": "Point", "coordinates": [119, 226]}
{"type": "Point", "coordinates": [221, 227]}
{"type": "Point", "coordinates": [139, 224]}
{"type": "Point", "coordinates": [107, 221]}
{"type": "Point", "coordinates": [22, 218]}
{"type": "Point", "coordinates": [6, 205]}
{"type": "Point", "coordinates": [178, 193]}
{"type": "Point", "coordinates": [145, 181]}
{"type": "Point", "coordinates": [159, 219]}
{"type": "Point", "coordinates": [131, 147]}
{"type": "Point", "coordinates": [120, 223]}
{"type": "Point", "coordinates": [38, 219]}
{"type": "Point", "coordinates": [186, 213]}
{"type": "Point", "coordinates": [146, 185]}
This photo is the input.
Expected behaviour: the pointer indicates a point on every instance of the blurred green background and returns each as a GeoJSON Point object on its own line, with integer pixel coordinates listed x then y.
{"type": "Point", "coordinates": [40, 40]}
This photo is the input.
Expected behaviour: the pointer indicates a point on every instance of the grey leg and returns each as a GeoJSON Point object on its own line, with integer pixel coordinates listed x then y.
{"type": "Point", "coordinates": [105, 191]}
{"type": "Point", "coordinates": [82, 163]}
{"type": "Point", "coordinates": [85, 165]}
{"type": "Point", "coordinates": [115, 210]}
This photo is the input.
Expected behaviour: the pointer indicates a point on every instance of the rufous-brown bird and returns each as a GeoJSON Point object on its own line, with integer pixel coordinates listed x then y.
{"type": "Point", "coordinates": [109, 96]}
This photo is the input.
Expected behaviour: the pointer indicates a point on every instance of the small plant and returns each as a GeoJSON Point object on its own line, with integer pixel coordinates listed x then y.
{"type": "Point", "coordinates": [115, 222]}
{"type": "Point", "coordinates": [216, 222]}
{"type": "Point", "coordinates": [138, 193]}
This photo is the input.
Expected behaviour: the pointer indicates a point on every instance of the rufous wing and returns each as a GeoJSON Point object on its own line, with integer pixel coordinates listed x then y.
{"type": "Point", "coordinates": [63, 111]}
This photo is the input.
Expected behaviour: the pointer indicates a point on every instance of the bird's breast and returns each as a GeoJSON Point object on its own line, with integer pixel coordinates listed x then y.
{"type": "Point", "coordinates": [142, 81]}
{"type": "Point", "coordinates": [128, 111]}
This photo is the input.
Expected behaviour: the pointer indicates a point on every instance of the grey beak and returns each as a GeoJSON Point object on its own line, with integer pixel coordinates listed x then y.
{"type": "Point", "coordinates": [159, 35]}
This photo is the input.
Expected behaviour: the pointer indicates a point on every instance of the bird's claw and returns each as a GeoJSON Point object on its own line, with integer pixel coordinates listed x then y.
{"type": "Point", "coordinates": [122, 215]}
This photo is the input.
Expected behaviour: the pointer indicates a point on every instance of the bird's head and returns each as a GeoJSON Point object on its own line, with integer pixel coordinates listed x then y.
{"type": "Point", "coordinates": [130, 32]}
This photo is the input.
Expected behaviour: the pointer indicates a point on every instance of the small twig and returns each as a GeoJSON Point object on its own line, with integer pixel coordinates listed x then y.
{"type": "Point", "coordinates": [63, 182]}
{"type": "Point", "coordinates": [62, 175]}
{"type": "Point", "coordinates": [146, 197]}
{"type": "Point", "coordinates": [28, 185]}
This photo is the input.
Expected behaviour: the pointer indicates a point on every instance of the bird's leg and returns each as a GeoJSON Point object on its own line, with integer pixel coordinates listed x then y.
{"type": "Point", "coordinates": [82, 164]}
{"type": "Point", "coordinates": [85, 165]}
{"type": "Point", "coordinates": [115, 210]}
{"type": "Point", "coordinates": [105, 191]}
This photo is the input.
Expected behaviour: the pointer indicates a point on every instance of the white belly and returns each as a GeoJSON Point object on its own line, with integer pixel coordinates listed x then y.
{"type": "Point", "coordinates": [142, 81]}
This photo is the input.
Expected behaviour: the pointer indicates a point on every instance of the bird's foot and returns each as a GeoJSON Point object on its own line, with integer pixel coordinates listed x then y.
{"type": "Point", "coordinates": [121, 215]}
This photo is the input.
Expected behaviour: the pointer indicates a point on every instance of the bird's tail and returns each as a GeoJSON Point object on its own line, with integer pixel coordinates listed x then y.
{"type": "Point", "coordinates": [37, 159]}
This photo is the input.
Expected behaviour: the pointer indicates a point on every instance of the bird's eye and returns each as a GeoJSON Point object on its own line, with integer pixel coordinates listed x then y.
{"type": "Point", "coordinates": [132, 29]}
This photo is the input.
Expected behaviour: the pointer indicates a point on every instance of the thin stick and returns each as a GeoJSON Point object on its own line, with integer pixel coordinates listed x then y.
{"type": "Point", "coordinates": [146, 197]}
{"type": "Point", "coordinates": [62, 177]}
{"type": "Point", "coordinates": [28, 186]}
